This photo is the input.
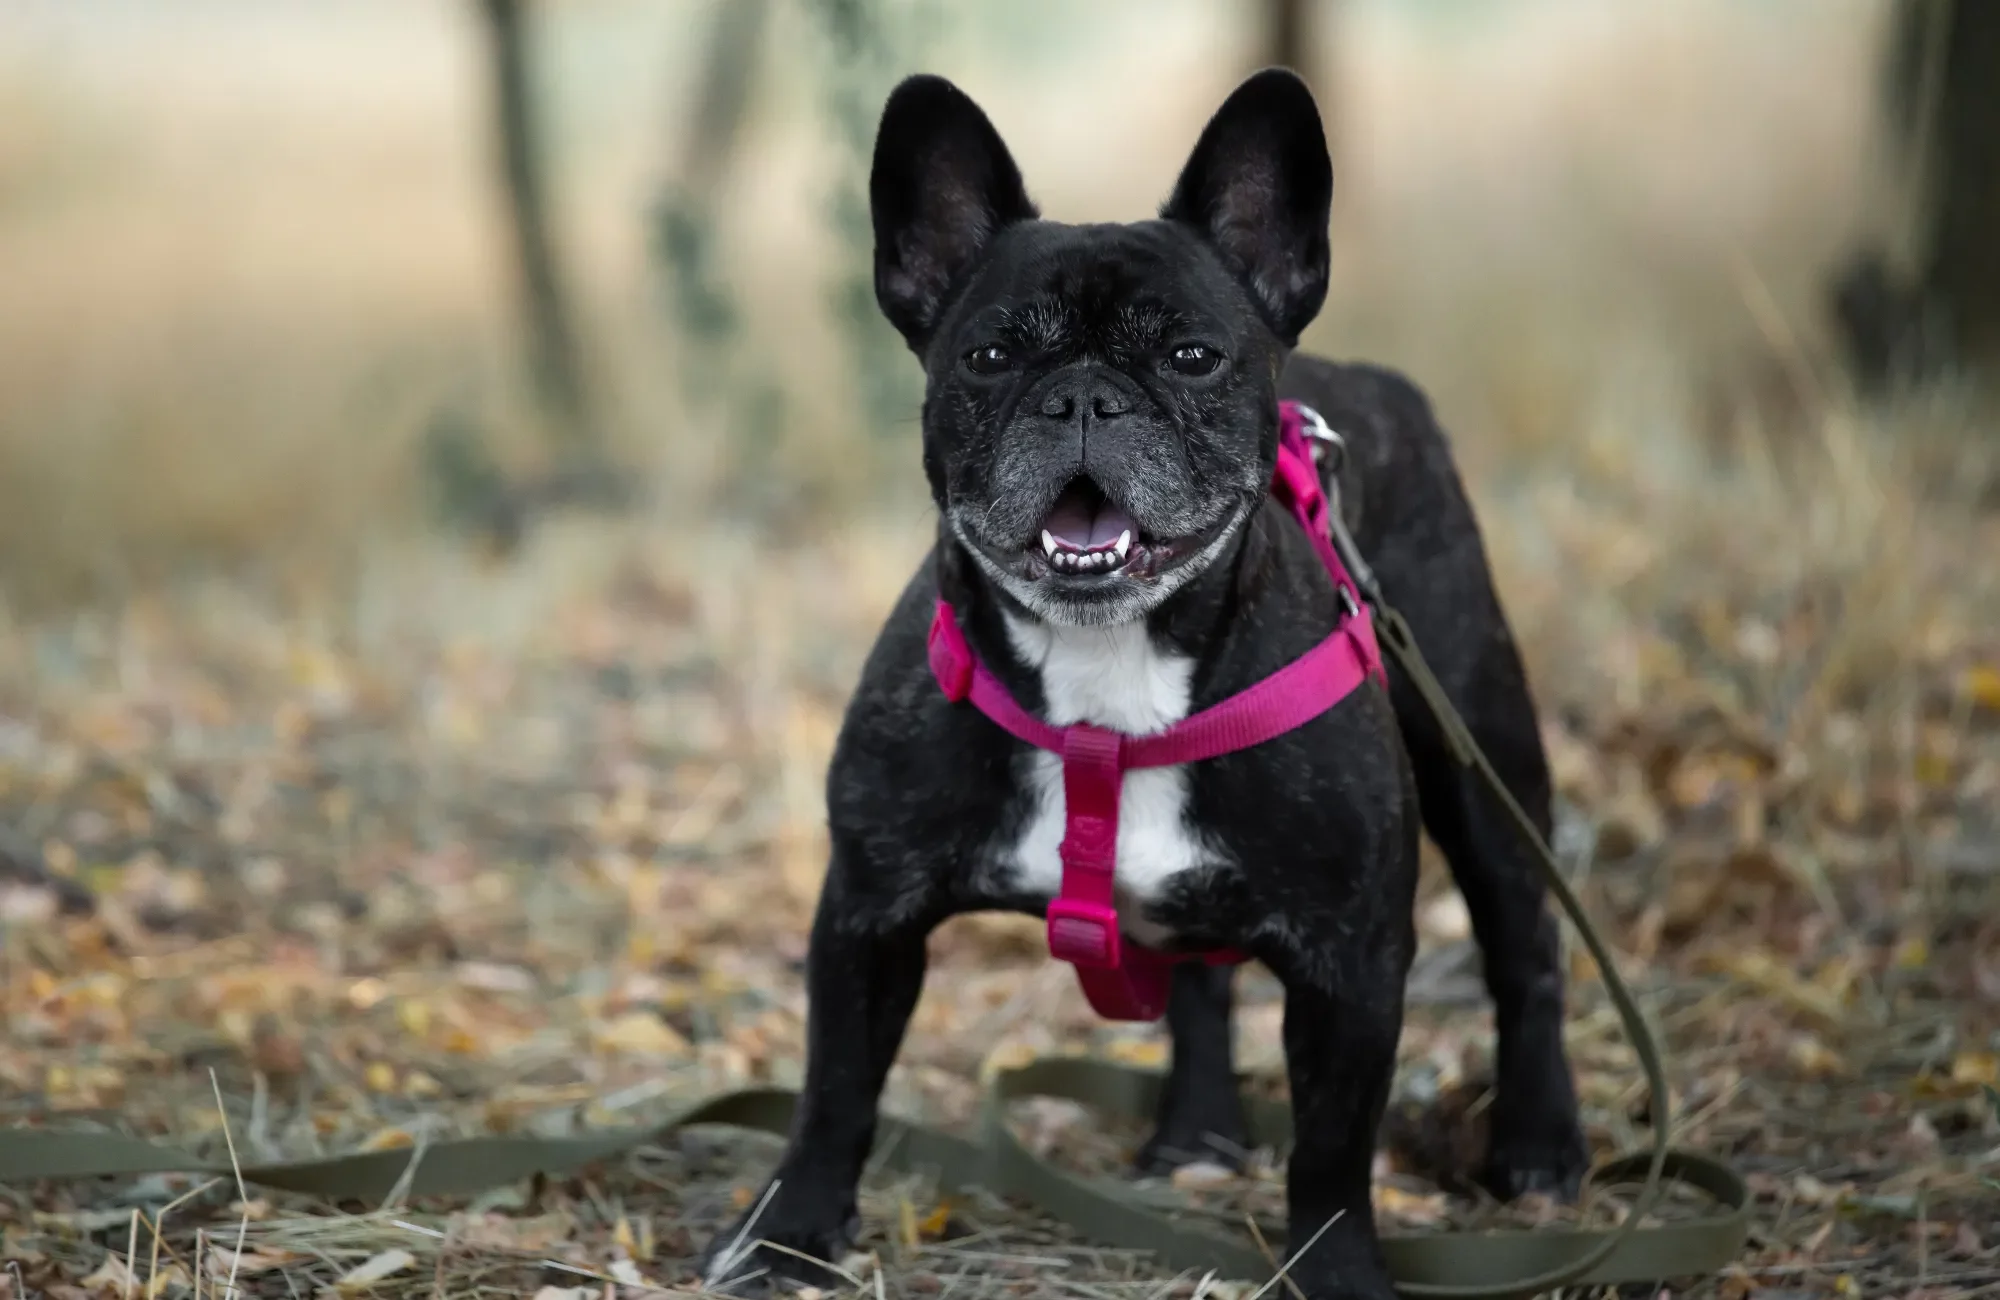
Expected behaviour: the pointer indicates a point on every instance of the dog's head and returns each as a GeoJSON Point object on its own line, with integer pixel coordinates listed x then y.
{"type": "Point", "coordinates": [1101, 409]}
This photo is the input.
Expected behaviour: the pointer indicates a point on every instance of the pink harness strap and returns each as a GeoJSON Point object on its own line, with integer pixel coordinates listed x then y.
{"type": "Point", "coordinates": [1121, 979]}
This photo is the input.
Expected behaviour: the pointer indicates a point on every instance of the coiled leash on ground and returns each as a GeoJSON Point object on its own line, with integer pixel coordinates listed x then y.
{"type": "Point", "coordinates": [1427, 1266]}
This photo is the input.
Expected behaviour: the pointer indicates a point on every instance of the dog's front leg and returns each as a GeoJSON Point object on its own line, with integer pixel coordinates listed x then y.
{"type": "Point", "coordinates": [1343, 1015]}
{"type": "Point", "coordinates": [864, 971]}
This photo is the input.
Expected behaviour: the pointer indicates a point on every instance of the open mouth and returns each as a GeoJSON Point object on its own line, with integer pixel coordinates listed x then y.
{"type": "Point", "coordinates": [1086, 532]}
{"type": "Point", "coordinates": [1087, 535]}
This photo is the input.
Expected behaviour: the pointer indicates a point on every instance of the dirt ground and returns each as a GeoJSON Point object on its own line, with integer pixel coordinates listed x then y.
{"type": "Point", "coordinates": [392, 888]}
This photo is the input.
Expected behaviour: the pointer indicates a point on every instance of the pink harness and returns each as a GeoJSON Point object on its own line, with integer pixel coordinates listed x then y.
{"type": "Point", "coordinates": [1125, 980]}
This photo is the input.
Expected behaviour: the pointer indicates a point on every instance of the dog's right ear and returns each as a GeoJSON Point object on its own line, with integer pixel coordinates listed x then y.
{"type": "Point", "coordinates": [943, 184]}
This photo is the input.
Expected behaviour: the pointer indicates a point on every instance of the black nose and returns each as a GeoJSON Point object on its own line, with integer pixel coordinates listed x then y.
{"type": "Point", "coordinates": [1091, 392]}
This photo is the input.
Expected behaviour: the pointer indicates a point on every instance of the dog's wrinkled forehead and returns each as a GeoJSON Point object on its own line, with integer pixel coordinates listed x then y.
{"type": "Point", "coordinates": [1101, 290]}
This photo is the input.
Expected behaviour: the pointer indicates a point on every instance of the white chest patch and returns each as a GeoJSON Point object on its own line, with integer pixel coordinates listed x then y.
{"type": "Point", "coordinates": [1111, 677]}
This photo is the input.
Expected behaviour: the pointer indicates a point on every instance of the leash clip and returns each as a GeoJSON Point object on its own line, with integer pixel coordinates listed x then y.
{"type": "Point", "coordinates": [1325, 439]}
{"type": "Point", "coordinates": [1328, 446]}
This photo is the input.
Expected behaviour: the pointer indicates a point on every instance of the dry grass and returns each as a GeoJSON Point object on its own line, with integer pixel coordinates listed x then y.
{"type": "Point", "coordinates": [406, 843]}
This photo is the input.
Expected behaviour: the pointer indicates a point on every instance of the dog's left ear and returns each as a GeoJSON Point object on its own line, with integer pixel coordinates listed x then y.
{"type": "Point", "coordinates": [1258, 187]}
{"type": "Point", "coordinates": [942, 185]}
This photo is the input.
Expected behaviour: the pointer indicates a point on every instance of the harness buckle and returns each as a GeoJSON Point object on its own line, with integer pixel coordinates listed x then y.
{"type": "Point", "coordinates": [1085, 934]}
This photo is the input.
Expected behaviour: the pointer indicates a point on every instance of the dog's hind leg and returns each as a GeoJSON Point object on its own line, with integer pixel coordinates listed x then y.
{"type": "Point", "coordinates": [1201, 1115]}
{"type": "Point", "coordinates": [1536, 1140]}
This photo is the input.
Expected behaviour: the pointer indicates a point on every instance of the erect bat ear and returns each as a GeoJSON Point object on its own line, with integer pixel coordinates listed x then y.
{"type": "Point", "coordinates": [1258, 188]}
{"type": "Point", "coordinates": [942, 185]}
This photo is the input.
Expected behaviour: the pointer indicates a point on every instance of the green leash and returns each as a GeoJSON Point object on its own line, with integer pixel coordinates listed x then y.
{"type": "Point", "coordinates": [1487, 1265]}
{"type": "Point", "coordinates": [1430, 1266]}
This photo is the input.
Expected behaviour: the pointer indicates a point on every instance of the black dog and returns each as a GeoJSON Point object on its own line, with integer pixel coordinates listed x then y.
{"type": "Point", "coordinates": [1100, 433]}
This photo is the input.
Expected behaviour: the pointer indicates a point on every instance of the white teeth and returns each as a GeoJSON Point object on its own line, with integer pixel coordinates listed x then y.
{"type": "Point", "coordinates": [1064, 558]}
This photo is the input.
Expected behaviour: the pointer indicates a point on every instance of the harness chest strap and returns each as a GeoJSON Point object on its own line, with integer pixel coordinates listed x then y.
{"type": "Point", "coordinates": [1121, 979]}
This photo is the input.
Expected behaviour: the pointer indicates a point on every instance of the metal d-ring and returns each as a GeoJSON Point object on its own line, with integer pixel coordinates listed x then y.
{"type": "Point", "coordinates": [1325, 439]}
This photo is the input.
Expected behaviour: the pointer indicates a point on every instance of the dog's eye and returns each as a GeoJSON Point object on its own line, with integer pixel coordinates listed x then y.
{"type": "Point", "coordinates": [988, 360]}
{"type": "Point", "coordinates": [1194, 359]}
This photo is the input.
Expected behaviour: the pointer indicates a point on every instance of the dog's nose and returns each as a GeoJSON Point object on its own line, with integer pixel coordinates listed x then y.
{"type": "Point", "coordinates": [1094, 393]}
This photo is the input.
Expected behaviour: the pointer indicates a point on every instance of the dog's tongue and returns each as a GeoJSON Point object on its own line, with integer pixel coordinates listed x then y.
{"type": "Point", "coordinates": [1084, 518]}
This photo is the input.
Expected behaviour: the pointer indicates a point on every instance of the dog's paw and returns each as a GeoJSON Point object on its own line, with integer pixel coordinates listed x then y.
{"type": "Point", "coordinates": [1175, 1146]}
{"type": "Point", "coordinates": [1553, 1164]}
{"type": "Point", "coordinates": [774, 1255]}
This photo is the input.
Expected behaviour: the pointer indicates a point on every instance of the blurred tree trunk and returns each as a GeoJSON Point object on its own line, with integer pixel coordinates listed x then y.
{"type": "Point", "coordinates": [1928, 296]}
{"type": "Point", "coordinates": [469, 488]}
{"type": "Point", "coordinates": [685, 228]}
{"type": "Point", "coordinates": [1292, 38]}
{"type": "Point", "coordinates": [1287, 35]}
{"type": "Point", "coordinates": [1963, 269]}
{"type": "Point", "coordinates": [723, 100]}
{"type": "Point", "coordinates": [552, 348]}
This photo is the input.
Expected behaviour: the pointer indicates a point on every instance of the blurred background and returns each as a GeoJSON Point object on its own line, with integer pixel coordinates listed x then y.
{"type": "Point", "coordinates": [256, 258]}
{"type": "Point", "coordinates": [451, 467]}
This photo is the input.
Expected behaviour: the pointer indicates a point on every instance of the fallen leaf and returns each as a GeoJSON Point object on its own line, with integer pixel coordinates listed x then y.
{"type": "Point", "coordinates": [223, 1260]}
{"type": "Point", "coordinates": [113, 1276]}
{"type": "Point", "coordinates": [365, 993]}
{"type": "Point", "coordinates": [933, 1225]}
{"type": "Point", "coordinates": [1919, 1141]}
{"type": "Point", "coordinates": [1202, 1176]}
{"type": "Point", "coordinates": [388, 1139]}
{"type": "Point", "coordinates": [1761, 970]}
{"type": "Point", "coordinates": [641, 1033]}
{"type": "Point", "coordinates": [1411, 1207]}
{"type": "Point", "coordinates": [636, 1244]}
{"type": "Point", "coordinates": [1007, 1056]}
{"type": "Point", "coordinates": [529, 1235]}
{"type": "Point", "coordinates": [375, 1269]}
{"type": "Point", "coordinates": [492, 977]}
{"type": "Point", "coordinates": [1814, 1057]}
{"type": "Point", "coordinates": [1976, 1067]}
{"type": "Point", "coordinates": [1148, 1053]}
{"type": "Point", "coordinates": [415, 1017]}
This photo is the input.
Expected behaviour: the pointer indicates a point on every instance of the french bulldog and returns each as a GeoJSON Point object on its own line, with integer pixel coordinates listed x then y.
{"type": "Point", "coordinates": [1100, 430]}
